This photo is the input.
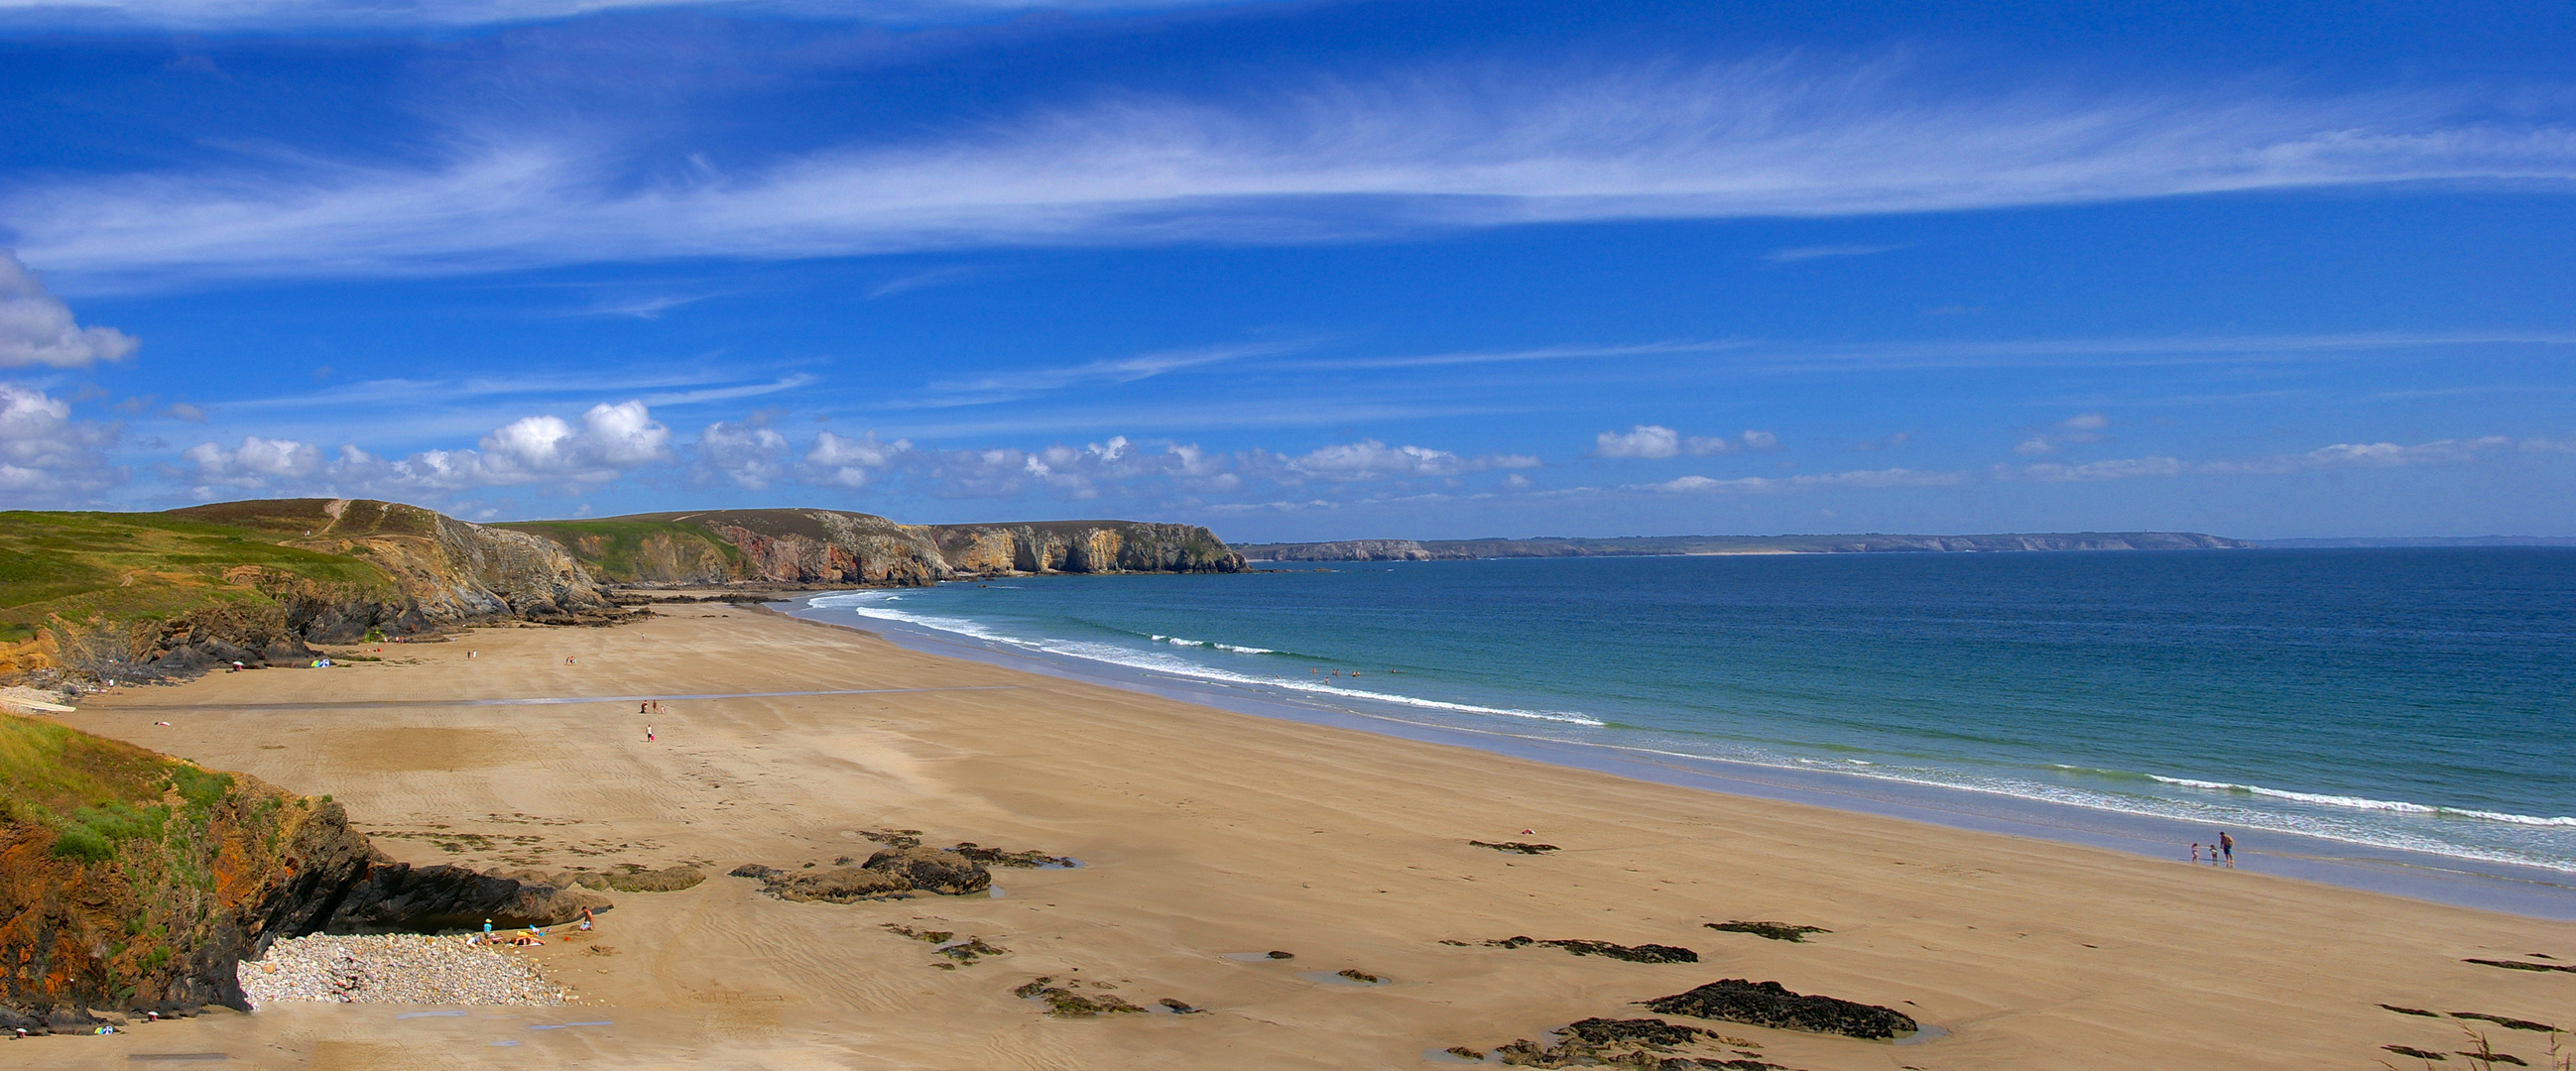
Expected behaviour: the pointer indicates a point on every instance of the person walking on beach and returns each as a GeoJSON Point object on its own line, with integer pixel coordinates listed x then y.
{"type": "Point", "coordinates": [2227, 846]}
{"type": "Point", "coordinates": [648, 734]}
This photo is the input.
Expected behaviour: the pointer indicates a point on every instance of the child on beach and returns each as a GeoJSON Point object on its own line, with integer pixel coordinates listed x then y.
{"type": "Point", "coordinates": [2195, 851]}
{"type": "Point", "coordinates": [648, 734]}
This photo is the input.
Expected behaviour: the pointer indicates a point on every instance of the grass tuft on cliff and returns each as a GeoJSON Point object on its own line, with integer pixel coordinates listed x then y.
{"type": "Point", "coordinates": [95, 794]}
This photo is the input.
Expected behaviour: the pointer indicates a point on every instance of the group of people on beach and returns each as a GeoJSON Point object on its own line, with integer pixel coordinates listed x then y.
{"type": "Point", "coordinates": [648, 708]}
{"type": "Point", "coordinates": [2222, 853]}
{"type": "Point", "coordinates": [533, 936]}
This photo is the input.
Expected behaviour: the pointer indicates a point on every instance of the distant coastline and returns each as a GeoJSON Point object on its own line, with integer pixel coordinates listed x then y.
{"type": "Point", "coordinates": [1867, 543]}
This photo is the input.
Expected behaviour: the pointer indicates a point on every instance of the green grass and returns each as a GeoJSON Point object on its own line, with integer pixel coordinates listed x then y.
{"type": "Point", "coordinates": [97, 794]}
{"type": "Point", "coordinates": [134, 565]}
{"type": "Point", "coordinates": [610, 547]}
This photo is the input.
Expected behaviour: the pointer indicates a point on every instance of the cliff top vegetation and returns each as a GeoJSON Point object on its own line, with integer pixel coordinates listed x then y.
{"type": "Point", "coordinates": [79, 566]}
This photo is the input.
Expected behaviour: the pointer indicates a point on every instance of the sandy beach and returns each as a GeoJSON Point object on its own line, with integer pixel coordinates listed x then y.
{"type": "Point", "coordinates": [1204, 833]}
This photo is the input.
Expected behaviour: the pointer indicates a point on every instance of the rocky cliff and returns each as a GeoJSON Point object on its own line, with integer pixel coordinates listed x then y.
{"type": "Point", "coordinates": [1872, 543]}
{"type": "Point", "coordinates": [1084, 547]}
{"type": "Point", "coordinates": [150, 595]}
{"type": "Point", "coordinates": [814, 546]}
{"type": "Point", "coordinates": [129, 879]}
{"type": "Point", "coordinates": [132, 880]}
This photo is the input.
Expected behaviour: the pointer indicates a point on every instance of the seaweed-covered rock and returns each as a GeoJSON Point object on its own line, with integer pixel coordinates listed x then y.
{"type": "Point", "coordinates": [1519, 847]}
{"type": "Point", "coordinates": [1649, 1043]}
{"type": "Point", "coordinates": [838, 885]}
{"type": "Point", "coordinates": [1777, 931]}
{"type": "Point", "coordinates": [932, 870]}
{"type": "Point", "coordinates": [1000, 857]}
{"type": "Point", "coordinates": [889, 872]}
{"type": "Point", "coordinates": [1630, 953]}
{"type": "Point", "coordinates": [1066, 1003]}
{"type": "Point", "coordinates": [1737, 1000]}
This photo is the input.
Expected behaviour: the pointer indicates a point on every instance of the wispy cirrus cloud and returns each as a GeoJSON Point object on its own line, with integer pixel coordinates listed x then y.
{"type": "Point", "coordinates": [1328, 159]}
{"type": "Point", "coordinates": [1795, 254]}
{"type": "Point", "coordinates": [369, 14]}
{"type": "Point", "coordinates": [1767, 484]}
{"type": "Point", "coordinates": [2379, 455]}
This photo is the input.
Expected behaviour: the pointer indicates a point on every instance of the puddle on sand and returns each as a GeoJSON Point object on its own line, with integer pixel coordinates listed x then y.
{"type": "Point", "coordinates": [1338, 978]}
{"type": "Point", "coordinates": [1444, 1056]}
{"type": "Point", "coordinates": [504, 1044]}
{"type": "Point", "coordinates": [1926, 1032]}
{"type": "Point", "coordinates": [996, 891]}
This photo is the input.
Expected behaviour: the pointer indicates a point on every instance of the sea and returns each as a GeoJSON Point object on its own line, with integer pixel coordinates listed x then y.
{"type": "Point", "coordinates": [2401, 719]}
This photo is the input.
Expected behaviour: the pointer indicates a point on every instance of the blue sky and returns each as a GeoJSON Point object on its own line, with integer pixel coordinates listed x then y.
{"type": "Point", "coordinates": [1302, 270]}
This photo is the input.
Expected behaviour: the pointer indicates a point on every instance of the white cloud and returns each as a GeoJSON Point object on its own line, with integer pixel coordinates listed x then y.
{"type": "Point", "coordinates": [256, 463]}
{"type": "Point", "coordinates": [1766, 484]}
{"type": "Point", "coordinates": [2335, 456]}
{"type": "Point", "coordinates": [611, 438]}
{"type": "Point", "coordinates": [845, 462]}
{"type": "Point", "coordinates": [2036, 444]}
{"type": "Point", "coordinates": [1434, 148]}
{"type": "Point", "coordinates": [1654, 441]}
{"type": "Point", "coordinates": [37, 328]}
{"type": "Point", "coordinates": [352, 14]}
{"type": "Point", "coordinates": [45, 455]}
{"type": "Point", "coordinates": [1815, 252]}
{"type": "Point", "coordinates": [1370, 459]}
{"type": "Point", "coordinates": [747, 455]}
{"type": "Point", "coordinates": [2085, 422]}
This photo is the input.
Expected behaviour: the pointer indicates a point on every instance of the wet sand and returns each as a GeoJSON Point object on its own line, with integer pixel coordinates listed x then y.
{"type": "Point", "coordinates": [1206, 833]}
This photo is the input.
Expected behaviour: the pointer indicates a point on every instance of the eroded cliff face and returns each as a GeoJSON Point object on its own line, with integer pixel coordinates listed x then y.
{"type": "Point", "coordinates": [1084, 547]}
{"type": "Point", "coordinates": [826, 547]}
{"type": "Point", "coordinates": [133, 880]}
{"type": "Point", "coordinates": [151, 895]}
{"type": "Point", "coordinates": [407, 570]}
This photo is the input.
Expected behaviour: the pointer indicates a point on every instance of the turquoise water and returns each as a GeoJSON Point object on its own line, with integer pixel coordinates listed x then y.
{"type": "Point", "coordinates": [2407, 699]}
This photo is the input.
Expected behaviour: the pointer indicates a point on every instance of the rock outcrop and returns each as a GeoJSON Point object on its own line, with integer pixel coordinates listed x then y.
{"type": "Point", "coordinates": [143, 880]}
{"type": "Point", "coordinates": [132, 880]}
{"type": "Point", "coordinates": [816, 547]}
{"type": "Point", "coordinates": [1736, 1000]}
{"type": "Point", "coordinates": [1084, 547]}
{"type": "Point", "coordinates": [886, 873]}
{"type": "Point", "coordinates": [401, 898]}
{"type": "Point", "coordinates": [153, 596]}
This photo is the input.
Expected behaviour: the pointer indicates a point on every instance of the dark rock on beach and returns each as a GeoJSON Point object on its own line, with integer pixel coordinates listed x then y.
{"type": "Point", "coordinates": [1064, 1002]}
{"type": "Point", "coordinates": [1777, 931]}
{"type": "Point", "coordinates": [999, 857]}
{"type": "Point", "coordinates": [2517, 965]}
{"type": "Point", "coordinates": [1516, 846]}
{"type": "Point", "coordinates": [1648, 1043]}
{"type": "Point", "coordinates": [932, 870]}
{"type": "Point", "coordinates": [1630, 953]}
{"type": "Point", "coordinates": [402, 898]}
{"type": "Point", "coordinates": [889, 872]}
{"type": "Point", "coordinates": [1737, 1000]}
{"type": "Point", "coordinates": [2507, 1022]}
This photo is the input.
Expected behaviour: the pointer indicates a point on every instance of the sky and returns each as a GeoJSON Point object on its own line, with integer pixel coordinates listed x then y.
{"type": "Point", "coordinates": [1302, 270]}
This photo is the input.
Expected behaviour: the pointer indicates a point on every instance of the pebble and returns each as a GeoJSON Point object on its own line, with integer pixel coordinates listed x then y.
{"type": "Point", "coordinates": [392, 969]}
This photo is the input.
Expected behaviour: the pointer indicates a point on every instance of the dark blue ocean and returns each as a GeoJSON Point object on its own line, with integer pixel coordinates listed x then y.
{"type": "Point", "coordinates": [2418, 700]}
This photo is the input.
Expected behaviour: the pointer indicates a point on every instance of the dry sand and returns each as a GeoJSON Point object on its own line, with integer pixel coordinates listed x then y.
{"type": "Point", "coordinates": [1207, 833]}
